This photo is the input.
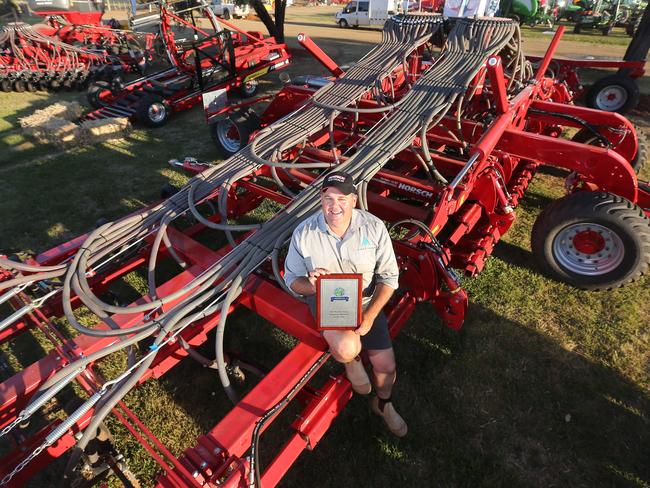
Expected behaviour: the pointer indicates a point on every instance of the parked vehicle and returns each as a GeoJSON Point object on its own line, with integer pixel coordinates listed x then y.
{"type": "Point", "coordinates": [603, 17]}
{"type": "Point", "coordinates": [633, 18]}
{"type": "Point", "coordinates": [227, 10]}
{"type": "Point", "coordinates": [531, 12]}
{"type": "Point", "coordinates": [371, 13]}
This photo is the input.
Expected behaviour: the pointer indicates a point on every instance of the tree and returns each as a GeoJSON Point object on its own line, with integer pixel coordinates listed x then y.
{"type": "Point", "coordinates": [275, 25]}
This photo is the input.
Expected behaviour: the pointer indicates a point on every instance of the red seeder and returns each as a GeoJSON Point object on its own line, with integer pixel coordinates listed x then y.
{"type": "Point", "coordinates": [449, 193]}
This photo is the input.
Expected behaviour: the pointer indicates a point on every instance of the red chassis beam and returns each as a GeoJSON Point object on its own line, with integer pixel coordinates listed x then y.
{"type": "Point", "coordinates": [261, 296]}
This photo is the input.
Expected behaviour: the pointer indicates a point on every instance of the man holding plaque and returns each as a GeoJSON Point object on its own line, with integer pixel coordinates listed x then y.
{"type": "Point", "coordinates": [344, 243]}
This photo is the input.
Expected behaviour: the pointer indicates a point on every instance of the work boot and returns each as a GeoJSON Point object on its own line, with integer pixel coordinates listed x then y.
{"type": "Point", "coordinates": [357, 375]}
{"type": "Point", "coordinates": [393, 420]}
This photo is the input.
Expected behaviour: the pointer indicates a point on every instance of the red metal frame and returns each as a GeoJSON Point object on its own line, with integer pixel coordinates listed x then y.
{"type": "Point", "coordinates": [489, 166]}
{"type": "Point", "coordinates": [253, 56]}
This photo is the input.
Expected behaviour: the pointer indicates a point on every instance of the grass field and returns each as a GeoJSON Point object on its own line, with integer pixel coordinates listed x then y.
{"type": "Point", "coordinates": [546, 386]}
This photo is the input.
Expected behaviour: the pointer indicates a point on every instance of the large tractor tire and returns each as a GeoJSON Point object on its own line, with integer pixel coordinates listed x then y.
{"type": "Point", "coordinates": [614, 93]}
{"type": "Point", "coordinates": [592, 240]}
{"type": "Point", "coordinates": [153, 111]}
{"type": "Point", "coordinates": [232, 133]}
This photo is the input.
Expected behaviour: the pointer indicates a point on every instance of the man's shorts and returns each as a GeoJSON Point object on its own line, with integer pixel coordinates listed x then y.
{"type": "Point", "coordinates": [376, 339]}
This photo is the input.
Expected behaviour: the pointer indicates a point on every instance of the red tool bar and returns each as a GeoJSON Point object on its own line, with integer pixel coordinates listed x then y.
{"type": "Point", "coordinates": [498, 83]}
{"type": "Point", "coordinates": [306, 42]}
{"type": "Point", "coordinates": [235, 429]}
{"type": "Point", "coordinates": [609, 170]}
{"type": "Point", "coordinates": [543, 66]}
{"type": "Point", "coordinates": [310, 427]}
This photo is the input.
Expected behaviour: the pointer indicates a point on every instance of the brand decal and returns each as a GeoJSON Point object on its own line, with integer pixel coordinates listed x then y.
{"type": "Point", "coordinates": [417, 191]}
{"type": "Point", "coordinates": [404, 187]}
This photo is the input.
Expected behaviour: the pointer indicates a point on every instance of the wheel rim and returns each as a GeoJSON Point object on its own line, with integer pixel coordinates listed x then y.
{"type": "Point", "coordinates": [249, 87]}
{"type": "Point", "coordinates": [228, 136]}
{"type": "Point", "coordinates": [157, 112]}
{"type": "Point", "coordinates": [588, 249]}
{"type": "Point", "coordinates": [611, 98]}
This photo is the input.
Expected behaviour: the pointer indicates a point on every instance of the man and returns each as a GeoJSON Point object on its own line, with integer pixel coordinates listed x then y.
{"type": "Point", "coordinates": [342, 239]}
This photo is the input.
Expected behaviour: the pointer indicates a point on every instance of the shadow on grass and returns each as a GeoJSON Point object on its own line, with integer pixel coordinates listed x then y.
{"type": "Point", "coordinates": [515, 255]}
{"type": "Point", "coordinates": [505, 407]}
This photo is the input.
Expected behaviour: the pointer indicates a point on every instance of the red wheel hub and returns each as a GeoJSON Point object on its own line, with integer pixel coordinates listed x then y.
{"type": "Point", "coordinates": [588, 242]}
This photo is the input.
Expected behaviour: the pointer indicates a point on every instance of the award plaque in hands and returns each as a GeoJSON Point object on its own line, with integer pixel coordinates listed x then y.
{"type": "Point", "coordinates": [338, 301]}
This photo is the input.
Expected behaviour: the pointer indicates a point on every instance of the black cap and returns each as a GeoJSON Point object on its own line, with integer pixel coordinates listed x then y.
{"type": "Point", "coordinates": [341, 181]}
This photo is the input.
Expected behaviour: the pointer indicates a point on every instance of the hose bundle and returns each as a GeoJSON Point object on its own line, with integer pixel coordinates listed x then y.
{"type": "Point", "coordinates": [430, 98]}
{"type": "Point", "coordinates": [31, 60]}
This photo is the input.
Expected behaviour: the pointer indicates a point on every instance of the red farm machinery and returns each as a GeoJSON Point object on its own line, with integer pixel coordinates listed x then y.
{"type": "Point", "coordinates": [442, 125]}
{"type": "Point", "coordinates": [69, 49]}
{"type": "Point", "coordinates": [207, 61]}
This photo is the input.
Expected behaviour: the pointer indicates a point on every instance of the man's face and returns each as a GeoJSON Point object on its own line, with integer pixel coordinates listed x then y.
{"type": "Point", "coordinates": [337, 207]}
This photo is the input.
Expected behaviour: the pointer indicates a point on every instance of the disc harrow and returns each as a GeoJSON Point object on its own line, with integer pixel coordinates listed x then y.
{"type": "Point", "coordinates": [34, 61]}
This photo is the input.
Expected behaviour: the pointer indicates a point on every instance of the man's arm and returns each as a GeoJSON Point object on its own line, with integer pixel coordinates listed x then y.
{"type": "Point", "coordinates": [379, 298]}
{"type": "Point", "coordinates": [306, 285]}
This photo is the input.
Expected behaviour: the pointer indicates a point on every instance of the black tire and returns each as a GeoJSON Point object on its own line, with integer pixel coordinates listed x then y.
{"type": "Point", "coordinates": [153, 111]}
{"type": "Point", "coordinates": [94, 90]}
{"type": "Point", "coordinates": [622, 90]}
{"type": "Point", "coordinates": [577, 29]}
{"type": "Point", "coordinates": [226, 14]}
{"type": "Point", "coordinates": [343, 23]}
{"type": "Point", "coordinates": [248, 88]}
{"type": "Point", "coordinates": [31, 86]}
{"type": "Point", "coordinates": [5, 85]}
{"type": "Point", "coordinates": [607, 30]}
{"type": "Point", "coordinates": [232, 133]}
{"type": "Point", "coordinates": [592, 240]}
{"type": "Point", "coordinates": [19, 86]}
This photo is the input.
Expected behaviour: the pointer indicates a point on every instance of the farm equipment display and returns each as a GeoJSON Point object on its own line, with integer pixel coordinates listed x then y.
{"type": "Point", "coordinates": [442, 150]}
{"type": "Point", "coordinates": [203, 60]}
{"type": "Point", "coordinates": [34, 61]}
{"type": "Point", "coordinates": [600, 15]}
{"type": "Point", "coordinates": [69, 49]}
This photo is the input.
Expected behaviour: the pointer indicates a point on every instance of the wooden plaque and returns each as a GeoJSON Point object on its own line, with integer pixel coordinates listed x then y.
{"type": "Point", "coordinates": [338, 301]}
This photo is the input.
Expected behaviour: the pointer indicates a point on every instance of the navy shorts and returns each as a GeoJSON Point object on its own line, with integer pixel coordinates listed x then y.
{"type": "Point", "coordinates": [376, 339]}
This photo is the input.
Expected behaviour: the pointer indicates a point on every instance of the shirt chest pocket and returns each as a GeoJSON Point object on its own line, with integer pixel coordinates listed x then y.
{"type": "Point", "coordinates": [364, 260]}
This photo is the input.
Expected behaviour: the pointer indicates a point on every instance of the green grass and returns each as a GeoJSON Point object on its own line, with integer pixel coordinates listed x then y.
{"type": "Point", "coordinates": [545, 386]}
{"type": "Point", "coordinates": [617, 38]}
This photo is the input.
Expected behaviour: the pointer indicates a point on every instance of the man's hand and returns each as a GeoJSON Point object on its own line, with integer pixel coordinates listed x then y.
{"type": "Point", "coordinates": [313, 275]}
{"type": "Point", "coordinates": [365, 325]}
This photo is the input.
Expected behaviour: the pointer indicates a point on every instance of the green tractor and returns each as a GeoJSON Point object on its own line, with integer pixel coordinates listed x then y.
{"type": "Point", "coordinates": [531, 12]}
{"type": "Point", "coordinates": [602, 16]}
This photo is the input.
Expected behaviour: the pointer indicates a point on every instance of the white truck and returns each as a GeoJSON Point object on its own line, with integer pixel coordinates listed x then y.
{"type": "Point", "coordinates": [369, 13]}
{"type": "Point", "coordinates": [227, 10]}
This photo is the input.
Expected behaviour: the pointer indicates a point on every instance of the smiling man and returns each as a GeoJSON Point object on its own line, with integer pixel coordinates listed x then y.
{"type": "Point", "coordinates": [342, 239]}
